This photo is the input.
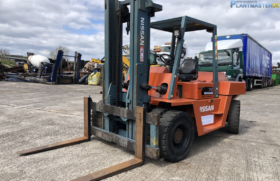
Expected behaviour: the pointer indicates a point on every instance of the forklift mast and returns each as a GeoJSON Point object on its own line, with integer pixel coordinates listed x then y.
{"type": "Point", "coordinates": [117, 13]}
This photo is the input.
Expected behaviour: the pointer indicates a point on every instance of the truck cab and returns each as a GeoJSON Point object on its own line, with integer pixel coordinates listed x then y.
{"type": "Point", "coordinates": [241, 58]}
{"type": "Point", "coordinates": [230, 59]}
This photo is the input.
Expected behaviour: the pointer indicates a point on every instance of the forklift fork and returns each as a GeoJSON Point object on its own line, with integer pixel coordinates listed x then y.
{"type": "Point", "coordinates": [113, 170]}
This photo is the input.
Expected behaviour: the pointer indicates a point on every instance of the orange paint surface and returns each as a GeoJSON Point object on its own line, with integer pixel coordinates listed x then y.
{"type": "Point", "coordinates": [232, 88]}
{"type": "Point", "coordinates": [208, 76]}
{"type": "Point", "coordinates": [193, 90]}
{"type": "Point", "coordinates": [156, 79]}
{"type": "Point", "coordinates": [203, 106]}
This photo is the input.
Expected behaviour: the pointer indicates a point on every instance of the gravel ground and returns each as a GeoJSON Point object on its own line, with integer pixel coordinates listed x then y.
{"type": "Point", "coordinates": [34, 115]}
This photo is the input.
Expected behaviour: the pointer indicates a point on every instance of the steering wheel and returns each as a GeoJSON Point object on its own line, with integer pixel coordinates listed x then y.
{"type": "Point", "coordinates": [166, 58]}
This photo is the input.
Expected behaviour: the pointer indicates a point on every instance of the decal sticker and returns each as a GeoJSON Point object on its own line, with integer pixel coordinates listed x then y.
{"type": "Point", "coordinates": [209, 119]}
{"type": "Point", "coordinates": [141, 53]}
{"type": "Point", "coordinates": [206, 108]}
{"type": "Point", "coordinates": [207, 91]}
{"type": "Point", "coordinates": [142, 39]}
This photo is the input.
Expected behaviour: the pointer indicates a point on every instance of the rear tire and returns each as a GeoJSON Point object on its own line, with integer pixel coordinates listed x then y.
{"type": "Point", "coordinates": [233, 118]}
{"type": "Point", "coordinates": [251, 84]}
{"type": "Point", "coordinates": [247, 84]}
{"type": "Point", "coordinates": [176, 135]}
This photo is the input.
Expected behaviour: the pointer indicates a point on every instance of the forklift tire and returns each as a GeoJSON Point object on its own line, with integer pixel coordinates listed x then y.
{"type": "Point", "coordinates": [248, 84]}
{"type": "Point", "coordinates": [233, 118]}
{"type": "Point", "coordinates": [176, 135]}
{"type": "Point", "coordinates": [251, 84]}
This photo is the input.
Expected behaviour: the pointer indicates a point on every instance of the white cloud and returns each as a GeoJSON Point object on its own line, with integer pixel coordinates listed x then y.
{"type": "Point", "coordinates": [40, 26]}
{"type": "Point", "coordinates": [262, 24]}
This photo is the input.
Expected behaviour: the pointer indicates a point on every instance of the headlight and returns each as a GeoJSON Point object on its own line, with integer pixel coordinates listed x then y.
{"type": "Point", "coordinates": [177, 33]}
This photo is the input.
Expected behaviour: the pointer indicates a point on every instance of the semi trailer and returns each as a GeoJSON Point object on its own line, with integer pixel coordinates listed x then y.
{"type": "Point", "coordinates": [241, 58]}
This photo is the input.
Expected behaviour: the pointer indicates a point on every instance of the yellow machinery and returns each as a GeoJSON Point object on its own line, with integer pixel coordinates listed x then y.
{"type": "Point", "coordinates": [157, 48]}
{"type": "Point", "coordinates": [125, 62]}
{"type": "Point", "coordinates": [25, 66]}
{"type": "Point", "coordinates": [93, 60]}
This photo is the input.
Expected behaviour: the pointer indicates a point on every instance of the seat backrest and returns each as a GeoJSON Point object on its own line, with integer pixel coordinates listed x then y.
{"type": "Point", "coordinates": [188, 66]}
{"type": "Point", "coordinates": [188, 70]}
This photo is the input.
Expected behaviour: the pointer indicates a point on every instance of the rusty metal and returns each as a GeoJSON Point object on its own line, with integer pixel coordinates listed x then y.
{"type": "Point", "coordinates": [15, 69]}
{"type": "Point", "coordinates": [138, 145]}
{"type": "Point", "coordinates": [52, 146]}
{"type": "Point", "coordinates": [111, 171]}
{"type": "Point", "coordinates": [151, 118]}
{"type": "Point", "coordinates": [86, 137]}
{"type": "Point", "coordinates": [139, 133]}
{"type": "Point", "coordinates": [135, 162]}
{"type": "Point", "coordinates": [123, 142]}
{"type": "Point", "coordinates": [114, 110]}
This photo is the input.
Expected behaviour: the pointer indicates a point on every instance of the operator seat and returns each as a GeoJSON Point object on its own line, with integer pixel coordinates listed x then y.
{"type": "Point", "coordinates": [188, 70]}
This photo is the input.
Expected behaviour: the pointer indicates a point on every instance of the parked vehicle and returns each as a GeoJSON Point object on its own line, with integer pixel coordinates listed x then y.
{"type": "Point", "coordinates": [241, 58]}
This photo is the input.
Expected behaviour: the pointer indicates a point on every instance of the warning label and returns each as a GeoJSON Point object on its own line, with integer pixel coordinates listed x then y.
{"type": "Point", "coordinates": [209, 119]}
{"type": "Point", "coordinates": [141, 53]}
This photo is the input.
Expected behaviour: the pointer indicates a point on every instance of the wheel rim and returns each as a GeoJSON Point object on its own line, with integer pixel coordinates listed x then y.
{"type": "Point", "coordinates": [180, 137]}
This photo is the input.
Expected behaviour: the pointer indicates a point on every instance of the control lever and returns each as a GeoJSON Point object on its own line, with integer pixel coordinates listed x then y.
{"type": "Point", "coordinates": [162, 89]}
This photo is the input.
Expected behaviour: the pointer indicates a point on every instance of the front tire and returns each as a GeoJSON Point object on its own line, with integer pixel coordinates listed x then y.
{"type": "Point", "coordinates": [233, 118]}
{"type": "Point", "coordinates": [176, 135]}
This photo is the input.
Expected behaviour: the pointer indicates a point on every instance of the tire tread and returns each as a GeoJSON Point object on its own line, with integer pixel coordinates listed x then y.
{"type": "Point", "coordinates": [234, 117]}
{"type": "Point", "coordinates": [165, 124]}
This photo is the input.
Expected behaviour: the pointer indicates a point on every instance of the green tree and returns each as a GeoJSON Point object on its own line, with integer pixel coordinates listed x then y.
{"type": "Point", "coordinates": [3, 54]}
{"type": "Point", "coordinates": [53, 54]}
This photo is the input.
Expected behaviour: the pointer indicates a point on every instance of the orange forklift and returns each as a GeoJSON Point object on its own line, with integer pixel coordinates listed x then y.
{"type": "Point", "coordinates": [157, 111]}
